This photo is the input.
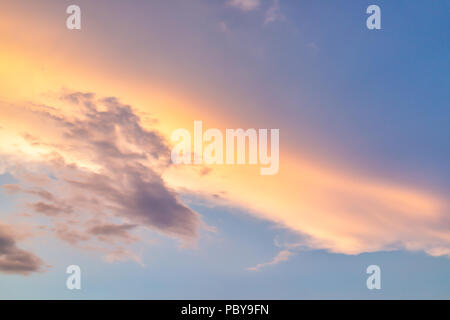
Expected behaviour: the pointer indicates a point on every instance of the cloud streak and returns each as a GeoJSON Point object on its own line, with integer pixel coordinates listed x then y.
{"type": "Point", "coordinates": [245, 5]}
{"type": "Point", "coordinates": [274, 13]}
{"type": "Point", "coordinates": [283, 255]}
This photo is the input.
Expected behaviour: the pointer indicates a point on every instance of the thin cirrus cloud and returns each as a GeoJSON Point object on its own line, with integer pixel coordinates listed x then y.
{"type": "Point", "coordinates": [273, 12]}
{"type": "Point", "coordinates": [280, 257]}
{"type": "Point", "coordinates": [245, 5]}
{"type": "Point", "coordinates": [97, 176]}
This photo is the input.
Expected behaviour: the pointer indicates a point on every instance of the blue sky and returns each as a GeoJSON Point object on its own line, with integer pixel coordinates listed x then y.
{"type": "Point", "coordinates": [217, 270]}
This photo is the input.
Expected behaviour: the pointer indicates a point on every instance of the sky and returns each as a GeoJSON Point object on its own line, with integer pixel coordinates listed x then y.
{"type": "Point", "coordinates": [86, 177]}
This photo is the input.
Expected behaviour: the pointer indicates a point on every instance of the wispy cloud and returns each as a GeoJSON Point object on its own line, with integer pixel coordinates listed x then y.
{"type": "Point", "coordinates": [245, 5]}
{"type": "Point", "coordinates": [274, 13]}
{"type": "Point", "coordinates": [223, 27]}
{"type": "Point", "coordinates": [283, 255]}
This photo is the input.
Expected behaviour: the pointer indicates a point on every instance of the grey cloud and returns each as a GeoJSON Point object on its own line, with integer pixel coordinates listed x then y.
{"type": "Point", "coordinates": [140, 194]}
{"type": "Point", "coordinates": [69, 235]}
{"type": "Point", "coordinates": [14, 260]}
{"type": "Point", "coordinates": [43, 194]}
{"type": "Point", "coordinates": [109, 232]}
{"type": "Point", "coordinates": [50, 209]}
{"type": "Point", "coordinates": [100, 127]}
{"type": "Point", "coordinates": [129, 185]}
{"type": "Point", "coordinates": [78, 97]}
{"type": "Point", "coordinates": [109, 229]}
{"type": "Point", "coordinates": [126, 186]}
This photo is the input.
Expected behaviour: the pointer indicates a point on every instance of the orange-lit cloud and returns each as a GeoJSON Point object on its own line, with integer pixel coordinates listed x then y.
{"type": "Point", "coordinates": [95, 174]}
{"type": "Point", "coordinates": [338, 210]}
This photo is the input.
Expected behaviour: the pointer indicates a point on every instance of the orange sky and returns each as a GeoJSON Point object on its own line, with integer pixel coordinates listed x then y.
{"type": "Point", "coordinates": [340, 210]}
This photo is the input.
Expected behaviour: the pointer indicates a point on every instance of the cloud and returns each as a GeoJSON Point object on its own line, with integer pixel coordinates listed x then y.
{"type": "Point", "coordinates": [223, 27]}
{"type": "Point", "coordinates": [245, 5]}
{"type": "Point", "coordinates": [97, 174]}
{"type": "Point", "coordinates": [283, 255]}
{"type": "Point", "coordinates": [274, 13]}
{"type": "Point", "coordinates": [122, 254]}
{"type": "Point", "coordinates": [109, 232]}
{"type": "Point", "coordinates": [94, 172]}
{"type": "Point", "coordinates": [333, 209]}
{"type": "Point", "coordinates": [313, 47]}
{"type": "Point", "coordinates": [14, 260]}
{"type": "Point", "coordinates": [49, 209]}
